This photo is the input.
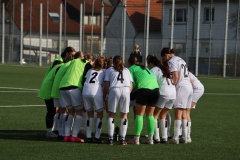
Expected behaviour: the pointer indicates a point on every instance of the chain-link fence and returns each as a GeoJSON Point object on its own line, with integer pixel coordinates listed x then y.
{"type": "Point", "coordinates": [203, 32]}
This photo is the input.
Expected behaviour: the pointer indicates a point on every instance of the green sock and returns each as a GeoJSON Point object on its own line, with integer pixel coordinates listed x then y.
{"type": "Point", "coordinates": [150, 125]}
{"type": "Point", "coordinates": [138, 125]}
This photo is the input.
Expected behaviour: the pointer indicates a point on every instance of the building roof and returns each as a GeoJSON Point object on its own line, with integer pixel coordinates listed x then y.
{"type": "Point", "coordinates": [72, 14]}
{"type": "Point", "coordinates": [136, 10]}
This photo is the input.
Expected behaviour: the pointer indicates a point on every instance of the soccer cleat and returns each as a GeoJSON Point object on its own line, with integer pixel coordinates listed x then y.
{"type": "Point", "coordinates": [66, 139]}
{"type": "Point", "coordinates": [150, 141]}
{"type": "Point", "coordinates": [156, 141]}
{"type": "Point", "coordinates": [89, 140]}
{"type": "Point", "coordinates": [182, 140]}
{"type": "Point", "coordinates": [123, 142]}
{"type": "Point", "coordinates": [133, 141]}
{"type": "Point", "coordinates": [189, 140]}
{"type": "Point", "coordinates": [76, 139]}
{"type": "Point", "coordinates": [163, 141]}
{"type": "Point", "coordinates": [173, 141]}
{"type": "Point", "coordinates": [110, 142]}
{"type": "Point", "coordinates": [51, 135]}
{"type": "Point", "coordinates": [98, 140]}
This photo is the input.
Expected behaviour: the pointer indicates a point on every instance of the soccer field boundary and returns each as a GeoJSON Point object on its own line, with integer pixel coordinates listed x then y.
{"type": "Point", "coordinates": [20, 88]}
{"type": "Point", "coordinates": [12, 106]}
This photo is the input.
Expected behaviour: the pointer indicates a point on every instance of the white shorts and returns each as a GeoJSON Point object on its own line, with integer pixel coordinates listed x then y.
{"type": "Point", "coordinates": [197, 94]}
{"type": "Point", "coordinates": [93, 101]}
{"type": "Point", "coordinates": [121, 97]}
{"type": "Point", "coordinates": [72, 98]}
{"type": "Point", "coordinates": [167, 103]}
{"type": "Point", "coordinates": [184, 97]}
{"type": "Point", "coordinates": [58, 103]}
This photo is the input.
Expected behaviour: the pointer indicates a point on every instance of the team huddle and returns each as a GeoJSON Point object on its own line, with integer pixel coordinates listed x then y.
{"type": "Point", "coordinates": [77, 84]}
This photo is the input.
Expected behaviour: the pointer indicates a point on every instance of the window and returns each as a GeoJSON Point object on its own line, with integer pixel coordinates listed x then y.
{"type": "Point", "coordinates": [54, 16]}
{"type": "Point", "coordinates": [85, 20]}
{"type": "Point", "coordinates": [207, 14]}
{"type": "Point", "coordinates": [180, 16]}
{"type": "Point", "coordinates": [89, 20]}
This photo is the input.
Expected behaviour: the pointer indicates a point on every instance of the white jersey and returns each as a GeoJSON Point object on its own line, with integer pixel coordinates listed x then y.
{"type": "Point", "coordinates": [167, 89]}
{"type": "Point", "coordinates": [118, 79]}
{"type": "Point", "coordinates": [179, 65]}
{"type": "Point", "coordinates": [94, 82]}
{"type": "Point", "coordinates": [196, 83]}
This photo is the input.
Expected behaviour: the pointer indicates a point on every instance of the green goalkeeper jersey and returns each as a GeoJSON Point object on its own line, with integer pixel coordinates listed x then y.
{"type": "Point", "coordinates": [143, 78]}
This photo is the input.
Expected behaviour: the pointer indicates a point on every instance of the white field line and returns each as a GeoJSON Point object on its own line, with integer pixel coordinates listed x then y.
{"type": "Point", "coordinates": [10, 106]}
{"type": "Point", "coordinates": [20, 88]}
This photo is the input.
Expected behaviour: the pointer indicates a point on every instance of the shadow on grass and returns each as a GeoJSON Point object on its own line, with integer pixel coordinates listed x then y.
{"type": "Point", "coordinates": [29, 135]}
{"type": "Point", "coordinates": [39, 135]}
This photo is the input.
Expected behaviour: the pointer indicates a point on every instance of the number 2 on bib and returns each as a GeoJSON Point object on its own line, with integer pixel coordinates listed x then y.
{"type": "Point", "coordinates": [94, 75]}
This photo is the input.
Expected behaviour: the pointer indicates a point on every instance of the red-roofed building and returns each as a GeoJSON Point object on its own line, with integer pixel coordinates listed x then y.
{"type": "Point", "coordinates": [51, 26]}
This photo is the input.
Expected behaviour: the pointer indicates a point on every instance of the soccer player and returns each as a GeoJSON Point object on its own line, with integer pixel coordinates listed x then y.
{"type": "Point", "coordinates": [55, 94]}
{"type": "Point", "coordinates": [71, 93]}
{"type": "Point", "coordinates": [166, 99]}
{"type": "Point", "coordinates": [146, 98]}
{"type": "Point", "coordinates": [184, 92]}
{"type": "Point", "coordinates": [198, 90]}
{"type": "Point", "coordinates": [93, 99]}
{"type": "Point", "coordinates": [46, 89]}
{"type": "Point", "coordinates": [118, 85]}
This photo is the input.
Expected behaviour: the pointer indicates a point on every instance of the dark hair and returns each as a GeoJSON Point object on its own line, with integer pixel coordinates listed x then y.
{"type": "Point", "coordinates": [162, 65]}
{"type": "Point", "coordinates": [89, 56]}
{"type": "Point", "coordinates": [99, 63]}
{"type": "Point", "coordinates": [150, 55]}
{"type": "Point", "coordinates": [118, 63]}
{"type": "Point", "coordinates": [133, 60]}
{"type": "Point", "coordinates": [167, 51]}
{"type": "Point", "coordinates": [67, 50]}
{"type": "Point", "coordinates": [109, 62]}
{"type": "Point", "coordinates": [78, 54]}
{"type": "Point", "coordinates": [165, 69]}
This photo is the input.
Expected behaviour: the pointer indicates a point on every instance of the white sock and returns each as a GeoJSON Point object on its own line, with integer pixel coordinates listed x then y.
{"type": "Point", "coordinates": [156, 131]}
{"type": "Point", "coordinates": [123, 128]}
{"type": "Point", "coordinates": [110, 127]}
{"type": "Point", "coordinates": [59, 123]}
{"type": "Point", "coordinates": [184, 128]}
{"type": "Point", "coordinates": [89, 127]}
{"type": "Point", "coordinates": [98, 128]}
{"type": "Point", "coordinates": [177, 124]}
{"type": "Point", "coordinates": [189, 129]}
{"type": "Point", "coordinates": [169, 121]}
{"type": "Point", "coordinates": [164, 128]}
{"type": "Point", "coordinates": [83, 122]}
{"type": "Point", "coordinates": [68, 124]}
{"type": "Point", "coordinates": [76, 125]}
{"type": "Point", "coordinates": [63, 118]}
{"type": "Point", "coordinates": [55, 124]}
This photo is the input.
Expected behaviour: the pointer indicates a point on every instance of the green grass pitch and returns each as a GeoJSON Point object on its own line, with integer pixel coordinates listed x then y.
{"type": "Point", "coordinates": [215, 124]}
